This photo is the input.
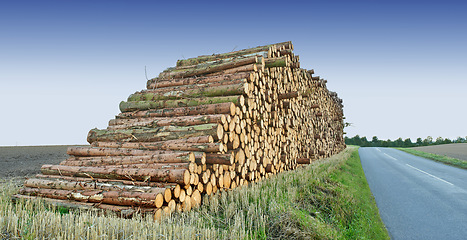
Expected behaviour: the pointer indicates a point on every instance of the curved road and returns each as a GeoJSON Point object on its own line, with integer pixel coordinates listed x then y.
{"type": "Point", "coordinates": [417, 198]}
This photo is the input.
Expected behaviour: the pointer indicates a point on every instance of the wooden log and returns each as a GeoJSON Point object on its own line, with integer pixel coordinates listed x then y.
{"type": "Point", "coordinates": [224, 159]}
{"type": "Point", "coordinates": [163, 83]}
{"type": "Point", "coordinates": [155, 134]}
{"type": "Point", "coordinates": [161, 166]}
{"type": "Point", "coordinates": [182, 157]}
{"type": "Point", "coordinates": [205, 69]}
{"type": "Point", "coordinates": [189, 102]}
{"type": "Point", "coordinates": [184, 88]}
{"type": "Point", "coordinates": [122, 211]}
{"type": "Point", "coordinates": [180, 176]}
{"type": "Point", "coordinates": [288, 95]}
{"type": "Point", "coordinates": [110, 181]}
{"type": "Point", "coordinates": [246, 68]}
{"type": "Point", "coordinates": [73, 184]}
{"type": "Point", "coordinates": [276, 62]}
{"type": "Point", "coordinates": [215, 57]}
{"type": "Point", "coordinates": [303, 161]}
{"type": "Point", "coordinates": [164, 145]}
{"type": "Point", "coordinates": [99, 151]}
{"type": "Point", "coordinates": [165, 121]}
{"type": "Point", "coordinates": [196, 198]}
{"type": "Point", "coordinates": [194, 92]}
{"type": "Point", "coordinates": [97, 196]}
{"type": "Point", "coordinates": [218, 108]}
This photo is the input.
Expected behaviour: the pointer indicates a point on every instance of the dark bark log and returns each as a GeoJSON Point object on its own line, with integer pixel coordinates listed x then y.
{"type": "Point", "coordinates": [224, 159]}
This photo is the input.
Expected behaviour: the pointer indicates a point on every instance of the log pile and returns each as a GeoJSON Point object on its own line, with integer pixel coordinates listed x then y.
{"type": "Point", "coordinates": [212, 122]}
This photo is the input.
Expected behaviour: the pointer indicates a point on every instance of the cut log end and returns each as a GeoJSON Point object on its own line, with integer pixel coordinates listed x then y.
{"type": "Point", "coordinates": [186, 177]}
{"type": "Point", "coordinates": [167, 194]}
{"type": "Point", "coordinates": [220, 131]}
{"type": "Point", "coordinates": [159, 201]}
{"type": "Point", "coordinates": [232, 109]}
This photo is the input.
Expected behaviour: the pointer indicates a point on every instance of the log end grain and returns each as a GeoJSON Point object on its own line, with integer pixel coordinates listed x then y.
{"type": "Point", "coordinates": [167, 194]}
{"type": "Point", "coordinates": [159, 201]}
{"type": "Point", "coordinates": [186, 177]}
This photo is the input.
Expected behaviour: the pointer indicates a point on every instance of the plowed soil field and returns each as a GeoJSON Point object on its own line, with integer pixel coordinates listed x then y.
{"type": "Point", "coordinates": [27, 161]}
{"type": "Point", "coordinates": [454, 150]}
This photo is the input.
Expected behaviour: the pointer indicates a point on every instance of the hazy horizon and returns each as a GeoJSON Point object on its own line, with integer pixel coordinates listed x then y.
{"type": "Point", "coordinates": [65, 66]}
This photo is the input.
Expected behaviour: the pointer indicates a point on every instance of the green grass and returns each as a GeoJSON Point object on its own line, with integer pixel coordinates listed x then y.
{"type": "Point", "coordinates": [329, 199]}
{"type": "Point", "coordinates": [443, 159]}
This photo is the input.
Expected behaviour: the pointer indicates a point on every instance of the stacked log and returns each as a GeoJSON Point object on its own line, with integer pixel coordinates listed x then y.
{"type": "Point", "coordinates": [212, 122]}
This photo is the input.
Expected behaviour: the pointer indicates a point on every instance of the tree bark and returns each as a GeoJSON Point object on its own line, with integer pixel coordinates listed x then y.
{"type": "Point", "coordinates": [288, 95]}
{"type": "Point", "coordinates": [122, 211]}
{"type": "Point", "coordinates": [96, 151]}
{"type": "Point", "coordinates": [224, 159]}
{"type": "Point", "coordinates": [63, 184]}
{"type": "Point", "coordinates": [155, 83]}
{"type": "Point", "coordinates": [207, 68]}
{"type": "Point", "coordinates": [215, 57]}
{"type": "Point", "coordinates": [174, 145]}
{"type": "Point", "coordinates": [303, 160]}
{"type": "Point", "coordinates": [192, 92]}
{"type": "Point", "coordinates": [218, 108]}
{"type": "Point", "coordinates": [246, 68]}
{"type": "Point", "coordinates": [122, 183]}
{"type": "Point", "coordinates": [187, 88]}
{"type": "Point", "coordinates": [183, 157]}
{"type": "Point", "coordinates": [276, 62]}
{"type": "Point", "coordinates": [189, 102]}
{"type": "Point", "coordinates": [99, 196]}
{"type": "Point", "coordinates": [155, 134]}
{"type": "Point", "coordinates": [180, 176]}
{"type": "Point", "coordinates": [115, 124]}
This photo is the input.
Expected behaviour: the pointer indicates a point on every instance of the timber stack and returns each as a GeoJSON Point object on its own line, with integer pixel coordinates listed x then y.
{"type": "Point", "coordinates": [212, 122]}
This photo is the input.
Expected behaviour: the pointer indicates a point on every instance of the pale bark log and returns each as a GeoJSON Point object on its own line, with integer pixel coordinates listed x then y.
{"type": "Point", "coordinates": [218, 108]}
{"type": "Point", "coordinates": [163, 145]}
{"type": "Point", "coordinates": [189, 102]}
{"type": "Point", "coordinates": [98, 196]}
{"type": "Point", "coordinates": [215, 57]}
{"type": "Point", "coordinates": [194, 92]}
{"type": "Point", "coordinates": [203, 69]}
{"type": "Point", "coordinates": [180, 176]}
{"type": "Point", "coordinates": [170, 157]}
{"type": "Point", "coordinates": [163, 83]}
{"type": "Point", "coordinates": [115, 124]}
{"type": "Point", "coordinates": [155, 134]}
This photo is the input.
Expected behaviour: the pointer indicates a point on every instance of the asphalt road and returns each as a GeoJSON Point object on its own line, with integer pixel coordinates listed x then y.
{"type": "Point", "coordinates": [417, 198]}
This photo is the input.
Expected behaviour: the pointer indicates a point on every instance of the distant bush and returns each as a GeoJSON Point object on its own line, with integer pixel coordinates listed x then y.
{"type": "Point", "coordinates": [375, 142]}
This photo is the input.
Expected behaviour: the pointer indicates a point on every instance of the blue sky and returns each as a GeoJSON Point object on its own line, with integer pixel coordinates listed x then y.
{"type": "Point", "coordinates": [66, 65]}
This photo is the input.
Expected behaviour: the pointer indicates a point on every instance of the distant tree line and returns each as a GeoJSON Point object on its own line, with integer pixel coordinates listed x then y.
{"type": "Point", "coordinates": [375, 142]}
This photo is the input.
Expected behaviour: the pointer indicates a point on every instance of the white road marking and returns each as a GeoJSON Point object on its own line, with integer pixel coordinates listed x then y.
{"type": "Point", "coordinates": [430, 174]}
{"type": "Point", "coordinates": [378, 149]}
{"type": "Point", "coordinates": [390, 157]}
